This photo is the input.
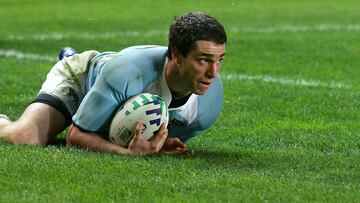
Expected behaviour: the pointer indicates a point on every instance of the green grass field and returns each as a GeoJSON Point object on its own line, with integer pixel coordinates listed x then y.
{"type": "Point", "coordinates": [289, 130]}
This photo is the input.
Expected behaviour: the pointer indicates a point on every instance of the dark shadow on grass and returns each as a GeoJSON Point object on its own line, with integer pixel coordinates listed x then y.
{"type": "Point", "coordinates": [242, 160]}
{"type": "Point", "coordinates": [58, 141]}
{"type": "Point", "coordinates": [220, 156]}
{"type": "Point", "coordinates": [213, 159]}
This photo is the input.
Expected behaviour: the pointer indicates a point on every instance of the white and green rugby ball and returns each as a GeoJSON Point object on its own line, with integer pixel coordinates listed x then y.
{"type": "Point", "coordinates": [149, 108]}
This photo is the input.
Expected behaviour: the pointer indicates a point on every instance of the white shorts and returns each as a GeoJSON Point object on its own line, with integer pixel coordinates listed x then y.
{"type": "Point", "coordinates": [64, 87]}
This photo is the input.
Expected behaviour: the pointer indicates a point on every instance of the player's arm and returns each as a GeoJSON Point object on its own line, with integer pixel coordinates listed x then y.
{"type": "Point", "coordinates": [137, 146]}
{"type": "Point", "coordinates": [110, 90]}
{"type": "Point", "coordinates": [92, 141]}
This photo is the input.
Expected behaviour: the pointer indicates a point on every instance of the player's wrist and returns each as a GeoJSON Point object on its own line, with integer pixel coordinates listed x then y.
{"type": "Point", "coordinates": [120, 150]}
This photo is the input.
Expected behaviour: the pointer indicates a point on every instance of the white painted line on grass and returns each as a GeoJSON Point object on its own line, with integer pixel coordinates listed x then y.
{"type": "Point", "coordinates": [286, 81]}
{"type": "Point", "coordinates": [22, 55]}
{"type": "Point", "coordinates": [227, 76]}
{"type": "Point", "coordinates": [84, 35]}
{"type": "Point", "coordinates": [298, 28]}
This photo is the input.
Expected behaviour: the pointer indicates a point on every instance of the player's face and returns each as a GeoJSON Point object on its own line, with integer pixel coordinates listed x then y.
{"type": "Point", "coordinates": [200, 66]}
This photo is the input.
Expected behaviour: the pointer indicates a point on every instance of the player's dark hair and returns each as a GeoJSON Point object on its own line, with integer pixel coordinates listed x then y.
{"type": "Point", "coordinates": [193, 26]}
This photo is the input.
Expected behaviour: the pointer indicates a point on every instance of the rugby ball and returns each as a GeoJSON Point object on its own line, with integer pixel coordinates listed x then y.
{"type": "Point", "coordinates": [149, 108]}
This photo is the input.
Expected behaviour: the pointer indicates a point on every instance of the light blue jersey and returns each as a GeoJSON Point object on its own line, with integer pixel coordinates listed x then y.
{"type": "Point", "coordinates": [114, 77]}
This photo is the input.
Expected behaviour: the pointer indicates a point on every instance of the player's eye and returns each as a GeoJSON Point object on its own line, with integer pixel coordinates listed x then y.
{"type": "Point", "coordinates": [205, 60]}
{"type": "Point", "coordinates": [220, 60]}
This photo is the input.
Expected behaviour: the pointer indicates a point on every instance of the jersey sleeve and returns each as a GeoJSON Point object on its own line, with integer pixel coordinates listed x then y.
{"type": "Point", "coordinates": [111, 89]}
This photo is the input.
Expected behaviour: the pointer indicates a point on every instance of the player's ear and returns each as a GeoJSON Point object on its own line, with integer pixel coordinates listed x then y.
{"type": "Point", "coordinates": [175, 55]}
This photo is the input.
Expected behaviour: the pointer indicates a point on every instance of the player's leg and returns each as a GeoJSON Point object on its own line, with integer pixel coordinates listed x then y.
{"type": "Point", "coordinates": [57, 102]}
{"type": "Point", "coordinates": [41, 121]}
{"type": "Point", "coordinates": [4, 120]}
{"type": "Point", "coordinates": [39, 124]}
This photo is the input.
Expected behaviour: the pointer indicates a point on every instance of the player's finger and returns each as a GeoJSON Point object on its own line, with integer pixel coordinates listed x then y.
{"type": "Point", "coordinates": [188, 152]}
{"type": "Point", "coordinates": [138, 129]}
{"type": "Point", "coordinates": [158, 133]}
{"type": "Point", "coordinates": [180, 151]}
{"type": "Point", "coordinates": [177, 143]}
{"type": "Point", "coordinates": [173, 144]}
{"type": "Point", "coordinates": [161, 135]}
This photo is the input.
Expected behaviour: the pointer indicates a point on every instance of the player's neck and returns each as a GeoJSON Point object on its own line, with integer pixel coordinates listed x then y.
{"type": "Point", "coordinates": [174, 81]}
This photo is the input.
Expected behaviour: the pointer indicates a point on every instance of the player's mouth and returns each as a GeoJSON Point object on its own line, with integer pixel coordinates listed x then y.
{"type": "Point", "coordinates": [204, 85]}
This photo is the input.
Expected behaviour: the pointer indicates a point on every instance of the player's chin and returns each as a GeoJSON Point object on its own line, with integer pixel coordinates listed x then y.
{"type": "Point", "coordinates": [199, 92]}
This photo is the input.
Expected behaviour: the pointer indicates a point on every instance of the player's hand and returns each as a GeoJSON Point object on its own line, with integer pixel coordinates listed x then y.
{"type": "Point", "coordinates": [140, 146]}
{"type": "Point", "coordinates": [175, 146]}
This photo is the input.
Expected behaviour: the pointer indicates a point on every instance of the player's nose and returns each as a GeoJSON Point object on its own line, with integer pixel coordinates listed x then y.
{"type": "Point", "coordinates": [213, 70]}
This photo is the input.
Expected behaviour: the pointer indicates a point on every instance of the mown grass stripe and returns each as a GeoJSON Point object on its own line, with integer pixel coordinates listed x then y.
{"type": "Point", "coordinates": [226, 76]}
{"type": "Point", "coordinates": [323, 27]}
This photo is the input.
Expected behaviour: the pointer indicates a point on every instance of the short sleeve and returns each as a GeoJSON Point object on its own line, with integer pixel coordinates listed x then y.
{"type": "Point", "coordinates": [111, 89]}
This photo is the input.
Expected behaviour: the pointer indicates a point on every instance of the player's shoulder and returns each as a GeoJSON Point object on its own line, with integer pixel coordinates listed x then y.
{"type": "Point", "coordinates": [144, 57]}
{"type": "Point", "coordinates": [145, 47]}
{"type": "Point", "coordinates": [140, 64]}
{"type": "Point", "coordinates": [143, 51]}
{"type": "Point", "coordinates": [141, 56]}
